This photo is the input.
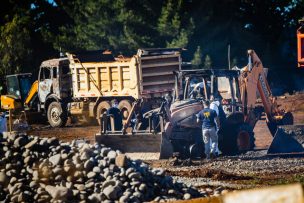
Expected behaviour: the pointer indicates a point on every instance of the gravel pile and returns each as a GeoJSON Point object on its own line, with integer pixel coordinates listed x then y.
{"type": "Point", "coordinates": [34, 169]}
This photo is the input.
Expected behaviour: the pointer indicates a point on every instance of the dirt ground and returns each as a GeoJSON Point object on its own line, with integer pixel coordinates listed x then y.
{"type": "Point", "coordinates": [253, 169]}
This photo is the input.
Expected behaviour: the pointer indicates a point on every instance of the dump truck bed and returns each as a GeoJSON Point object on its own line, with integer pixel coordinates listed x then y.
{"type": "Point", "coordinates": [147, 74]}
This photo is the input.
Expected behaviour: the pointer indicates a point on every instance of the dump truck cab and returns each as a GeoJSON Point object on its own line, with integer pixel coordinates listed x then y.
{"type": "Point", "coordinates": [54, 90]}
{"type": "Point", "coordinates": [54, 81]}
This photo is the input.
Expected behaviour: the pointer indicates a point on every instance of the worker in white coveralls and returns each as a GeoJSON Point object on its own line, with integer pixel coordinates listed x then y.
{"type": "Point", "coordinates": [209, 120]}
{"type": "Point", "coordinates": [215, 106]}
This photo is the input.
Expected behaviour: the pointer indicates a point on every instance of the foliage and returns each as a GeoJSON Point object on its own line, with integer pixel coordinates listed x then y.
{"type": "Point", "coordinates": [207, 62]}
{"type": "Point", "coordinates": [197, 57]}
{"type": "Point", "coordinates": [14, 43]}
{"type": "Point", "coordinates": [40, 28]}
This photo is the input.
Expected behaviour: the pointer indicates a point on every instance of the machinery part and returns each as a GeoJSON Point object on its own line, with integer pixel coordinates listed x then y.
{"type": "Point", "coordinates": [287, 119]}
{"type": "Point", "coordinates": [142, 142]}
{"type": "Point", "coordinates": [166, 148]}
{"type": "Point", "coordinates": [287, 139]}
{"type": "Point", "coordinates": [101, 108]}
{"type": "Point", "coordinates": [196, 151]}
{"type": "Point", "coordinates": [56, 115]}
{"type": "Point", "coordinates": [300, 39]}
{"type": "Point", "coordinates": [245, 137]}
{"type": "Point", "coordinates": [236, 138]}
{"type": "Point", "coordinates": [31, 95]}
{"type": "Point", "coordinates": [10, 102]}
{"type": "Point", "coordinates": [228, 139]}
{"type": "Point", "coordinates": [125, 108]}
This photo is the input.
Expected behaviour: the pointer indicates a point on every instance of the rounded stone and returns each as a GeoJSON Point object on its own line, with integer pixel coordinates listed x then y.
{"type": "Point", "coordinates": [91, 174]}
{"type": "Point", "coordinates": [96, 169]}
{"type": "Point", "coordinates": [187, 196]}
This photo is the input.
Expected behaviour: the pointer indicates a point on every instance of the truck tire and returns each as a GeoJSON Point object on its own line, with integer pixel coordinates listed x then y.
{"type": "Point", "coordinates": [57, 116]}
{"type": "Point", "coordinates": [236, 138]}
{"type": "Point", "coordinates": [101, 108]}
{"type": "Point", "coordinates": [245, 138]}
{"type": "Point", "coordinates": [125, 108]}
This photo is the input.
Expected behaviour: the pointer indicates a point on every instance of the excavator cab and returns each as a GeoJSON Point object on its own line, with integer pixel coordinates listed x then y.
{"type": "Point", "coordinates": [17, 89]}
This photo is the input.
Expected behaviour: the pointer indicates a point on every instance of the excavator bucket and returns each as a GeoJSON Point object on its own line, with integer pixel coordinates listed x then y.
{"type": "Point", "coordinates": [288, 140]}
{"type": "Point", "coordinates": [139, 145]}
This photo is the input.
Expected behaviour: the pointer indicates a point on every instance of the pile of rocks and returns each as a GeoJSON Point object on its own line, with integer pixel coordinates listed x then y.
{"type": "Point", "coordinates": [34, 169]}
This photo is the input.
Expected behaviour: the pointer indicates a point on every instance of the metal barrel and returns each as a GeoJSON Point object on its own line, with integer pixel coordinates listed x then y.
{"type": "Point", "coordinates": [288, 139]}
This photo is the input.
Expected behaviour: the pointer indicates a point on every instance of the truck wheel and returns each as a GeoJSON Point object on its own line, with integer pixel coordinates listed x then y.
{"type": "Point", "coordinates": [236, 138]}
{"type": "Point", "coordinates": [57, 116]}
{"type": "Point", "coordinates": [125, 108]}
{"type": "Point", "coordinates": [101, 108]}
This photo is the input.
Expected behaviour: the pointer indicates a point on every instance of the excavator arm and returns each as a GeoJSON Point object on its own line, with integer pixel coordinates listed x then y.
{"type": "Point", "coordinates": [253, 80]}
{"type": "Point", "coordinates": [31, 95]}
{"type": "Point", "coordinates": [300, 39]}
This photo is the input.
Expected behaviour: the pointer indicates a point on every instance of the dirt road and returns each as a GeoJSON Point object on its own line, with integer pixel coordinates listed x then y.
{"type": "Point", "coordinates": [249, 170]}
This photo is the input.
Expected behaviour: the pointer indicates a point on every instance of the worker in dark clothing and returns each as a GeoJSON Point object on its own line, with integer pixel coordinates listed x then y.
{"type": "Point", "coordinates": [115, 112]}
{"type": "Point", "coordinates": [209, 120]}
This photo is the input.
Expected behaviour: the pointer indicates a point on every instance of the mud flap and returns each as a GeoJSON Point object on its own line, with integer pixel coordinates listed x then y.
{"type": "Point", "coordinates": [166, 148]}
{"type": "Point", "coordinates": [288, 139]}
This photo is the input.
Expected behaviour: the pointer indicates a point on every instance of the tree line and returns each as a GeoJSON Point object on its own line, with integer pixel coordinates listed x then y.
{"type": "Point", "coordinates": [36, 30]}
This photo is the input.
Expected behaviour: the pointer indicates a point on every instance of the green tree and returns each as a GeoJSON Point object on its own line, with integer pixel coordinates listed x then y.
{"type": "Point", "coordinates": [104, 24]}
{"type": "Point", "coordinates": [15, 49]}
{"type": "Point", "coordinates": [197, 58]}
{"type": "Point", "coordinates": [207, 62]}
{"type": "Point", "coordinates": [172, 27]}
{"type": "Point", "coordinates": [234, 62]}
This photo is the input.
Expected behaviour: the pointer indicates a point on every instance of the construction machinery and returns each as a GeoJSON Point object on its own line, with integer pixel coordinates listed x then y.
{"type": "Point", "coordinates": [17, 88]}
{"type": "Point", "coordinates": [178, 131]}
{"type": "Point", "coordinates": [300, 39]}
{"type": "Point", "coordinates": [82, 85]}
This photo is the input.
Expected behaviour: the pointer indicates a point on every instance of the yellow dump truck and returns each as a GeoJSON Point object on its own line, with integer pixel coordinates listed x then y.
{"type": "Point", "coordinates": [84, 84]}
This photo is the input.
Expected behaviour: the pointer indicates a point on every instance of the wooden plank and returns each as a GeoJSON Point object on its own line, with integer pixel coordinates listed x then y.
{"type": "Point", "coordinates": [277, 194]}
{"type": "Point", "coordinates": [200, 200]}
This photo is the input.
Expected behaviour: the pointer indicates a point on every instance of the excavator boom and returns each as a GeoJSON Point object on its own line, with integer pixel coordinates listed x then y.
{"type": "Point", "coordinates": [253, 79]}
{"type": "Point", "coordinates": [300, 39]}
{"type": "Point", "coordinates": [33, 91]}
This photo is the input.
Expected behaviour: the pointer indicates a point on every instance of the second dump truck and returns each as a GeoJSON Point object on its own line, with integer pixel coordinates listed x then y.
{"type": "Point", "coordinates": [84, 84]}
